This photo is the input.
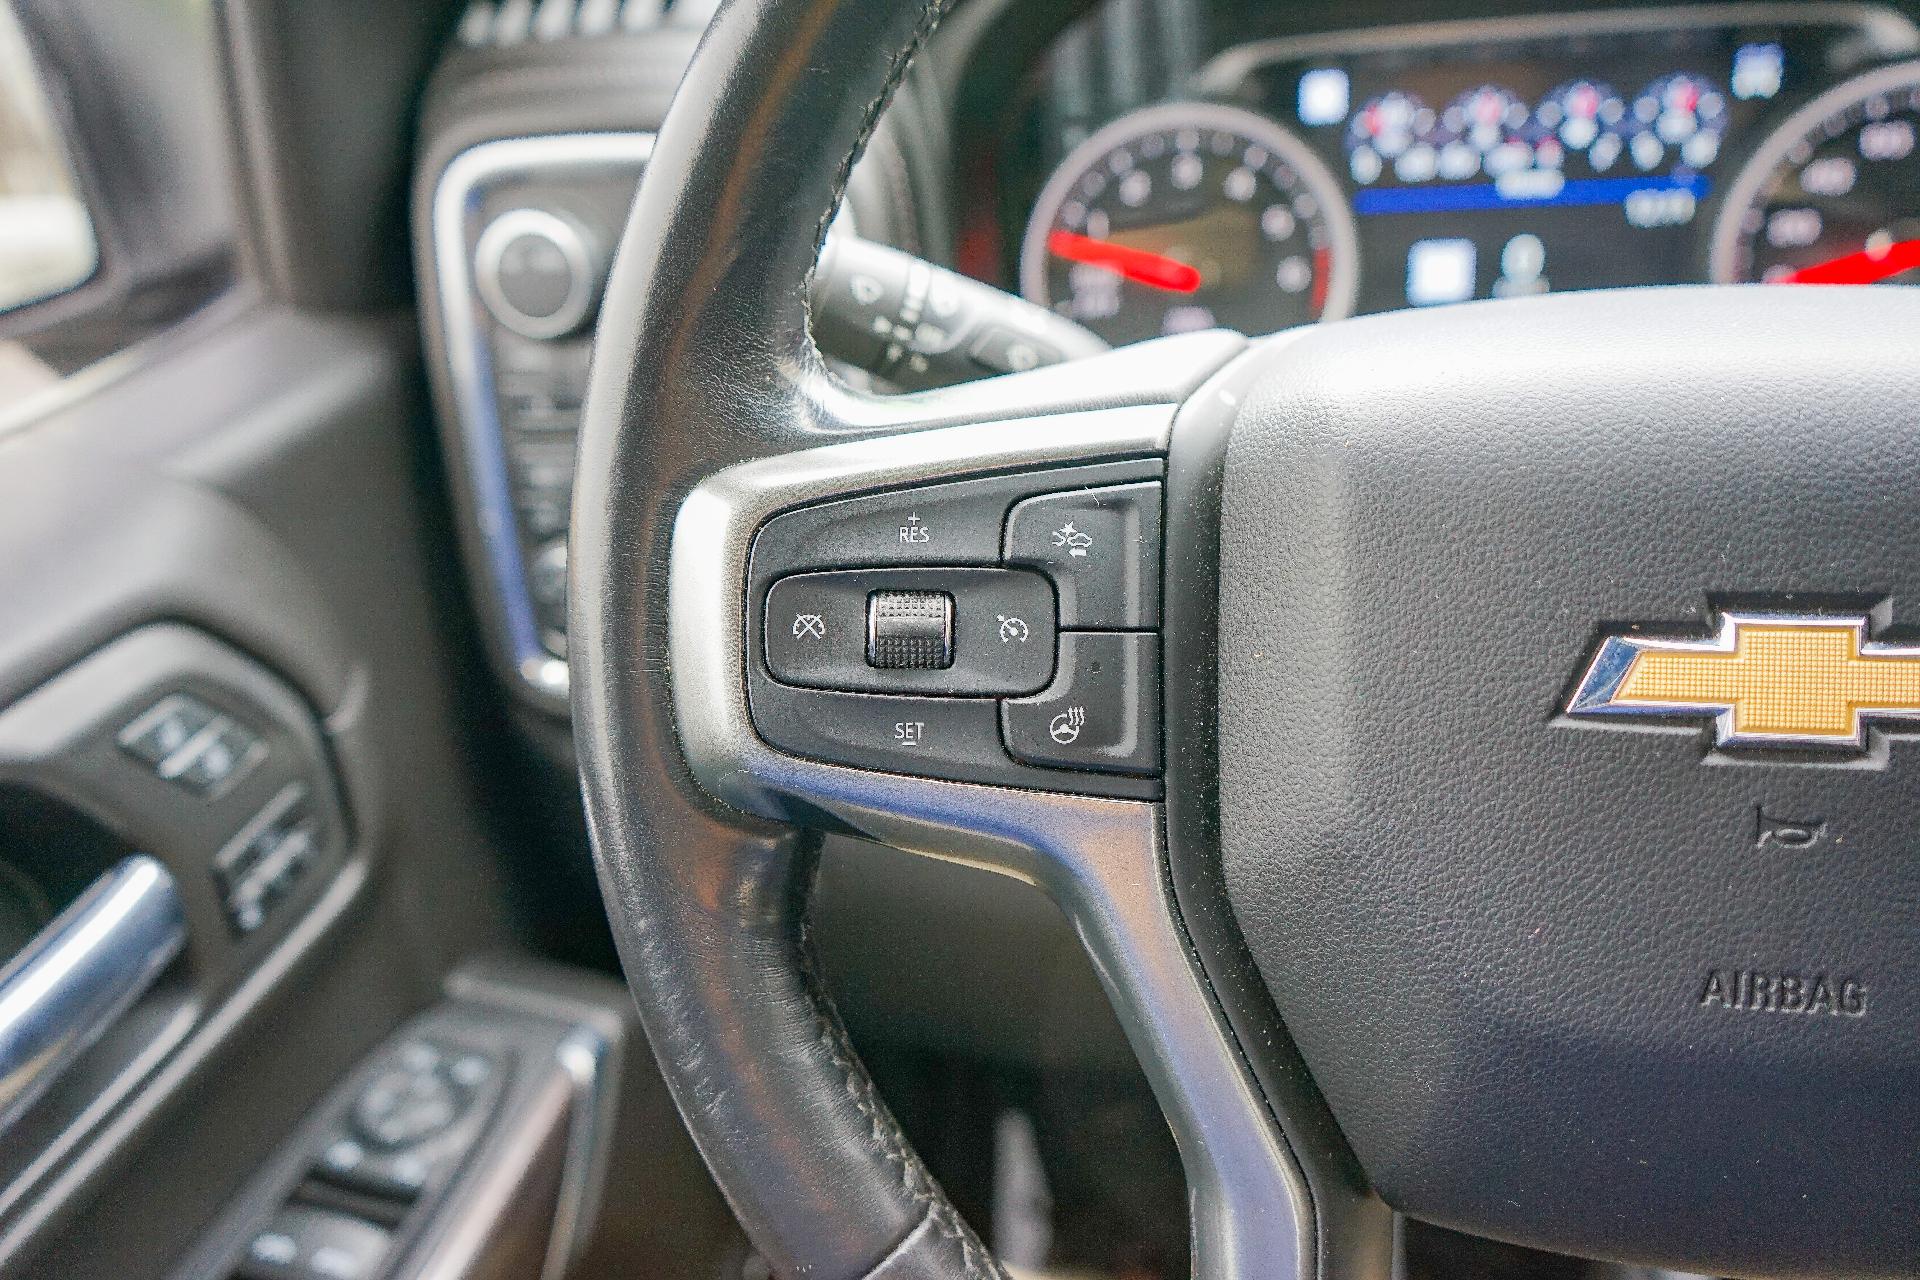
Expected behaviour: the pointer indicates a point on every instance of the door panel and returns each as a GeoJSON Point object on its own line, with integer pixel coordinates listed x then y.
{"type": "Point", "coordinates": [263, 483]}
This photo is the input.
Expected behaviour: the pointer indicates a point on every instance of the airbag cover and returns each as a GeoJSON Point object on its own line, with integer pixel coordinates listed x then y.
{"type": "Point", "coordinates": [1493, 931]}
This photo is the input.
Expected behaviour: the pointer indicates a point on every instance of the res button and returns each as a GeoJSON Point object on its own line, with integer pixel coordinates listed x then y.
{"type": "Point", "coordinates": [947, 524]}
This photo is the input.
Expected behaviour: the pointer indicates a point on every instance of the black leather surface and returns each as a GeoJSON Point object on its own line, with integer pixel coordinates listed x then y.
{"type": "Point", "coordinates": [703, 360]}
{"type": "Point", "coordinates": [1488, 931]}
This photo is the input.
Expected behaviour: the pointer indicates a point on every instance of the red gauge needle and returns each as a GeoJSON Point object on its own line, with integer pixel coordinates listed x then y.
{"type": "Point", "coordinates": [1155, 270]}
{"type": "Point", "coordinates": [1865, 267]}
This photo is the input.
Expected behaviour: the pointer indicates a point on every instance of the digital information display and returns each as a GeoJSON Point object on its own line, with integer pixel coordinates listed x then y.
{"type": "Point", "coordinates": [1515, 167]}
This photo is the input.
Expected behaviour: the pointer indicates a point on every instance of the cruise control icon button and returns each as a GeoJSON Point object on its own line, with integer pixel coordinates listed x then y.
{"type": "Point", "coordinates": [962, 631]}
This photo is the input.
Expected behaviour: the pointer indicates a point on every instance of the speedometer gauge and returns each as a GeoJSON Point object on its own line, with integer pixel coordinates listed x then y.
{"type": "Point", "coordinates": [1190, 216]}
{"type": "Point", "coordinates": [1834, 196]}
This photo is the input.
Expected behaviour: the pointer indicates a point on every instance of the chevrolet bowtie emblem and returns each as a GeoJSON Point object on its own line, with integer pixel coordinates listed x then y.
{"type": "Point", "coordinates": [1766, 679]}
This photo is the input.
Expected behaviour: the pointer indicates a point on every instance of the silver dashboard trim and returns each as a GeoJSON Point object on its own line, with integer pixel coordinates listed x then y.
{"type": "Point", "coordinates": [1101, 860]}
{"type": "Point", "coordinates": [583, 1057]}
{"type": "Point", "coordinates": [456, 202]}
{"type": "Point", "coordinates": [1890, 32]}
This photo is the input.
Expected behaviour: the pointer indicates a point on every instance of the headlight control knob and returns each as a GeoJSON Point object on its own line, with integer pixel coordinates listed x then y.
{"type": "Point", "coordinates": [540, 272]}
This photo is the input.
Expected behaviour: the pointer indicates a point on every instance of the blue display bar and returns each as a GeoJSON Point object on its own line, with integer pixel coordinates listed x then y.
{"type": "Point", "coordinates": [1572, 193]}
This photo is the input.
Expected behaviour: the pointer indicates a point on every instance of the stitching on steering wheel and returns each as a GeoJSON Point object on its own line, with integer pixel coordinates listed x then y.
{"type": "Point", "coordinates": [931, 14]}
{"type": "Point", "coordinates": [830, 1031]}
{"type": "Point", "coordinates": [915, 1179]}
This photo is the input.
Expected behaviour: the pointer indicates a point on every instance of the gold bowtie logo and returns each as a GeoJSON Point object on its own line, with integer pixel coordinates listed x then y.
{"type": "Point", "coordinates": [1766, 679]}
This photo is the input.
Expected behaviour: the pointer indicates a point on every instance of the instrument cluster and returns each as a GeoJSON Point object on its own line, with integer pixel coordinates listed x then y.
{"type": "Point", "coordinates": [1286, 181]}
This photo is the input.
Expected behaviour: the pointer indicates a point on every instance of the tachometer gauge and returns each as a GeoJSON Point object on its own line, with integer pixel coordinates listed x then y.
{"type": "Point", "coordinates": [1833, 197]}
{"type": "Point", "coordinates": [1191, 216]}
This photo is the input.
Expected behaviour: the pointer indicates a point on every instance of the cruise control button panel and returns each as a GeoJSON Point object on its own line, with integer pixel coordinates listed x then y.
{"type": "Point", "coordinates": [999, 630]}
{"type": "Point", "coordinates": [996, 636]}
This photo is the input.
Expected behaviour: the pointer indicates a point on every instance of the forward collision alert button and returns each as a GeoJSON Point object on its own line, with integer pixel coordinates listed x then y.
{"type": "Point", "coordinates": [1102, 710]}
{"type": "Point", "coordinates": [1101, 548]}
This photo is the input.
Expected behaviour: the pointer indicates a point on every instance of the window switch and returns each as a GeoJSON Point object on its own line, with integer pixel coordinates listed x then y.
{"type": "Point", "coordinates": [220, 759]}
{"type": "Point", "coordinates": [300, 1243]}
{"type": "Point", "coordinates": [385, 1175]}
{"type": "Point", "coordinates": [164, 728]}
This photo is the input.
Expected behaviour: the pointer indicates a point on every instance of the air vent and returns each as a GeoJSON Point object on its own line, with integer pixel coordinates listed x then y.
{"type": "Point", "coordinates": [501, 24]}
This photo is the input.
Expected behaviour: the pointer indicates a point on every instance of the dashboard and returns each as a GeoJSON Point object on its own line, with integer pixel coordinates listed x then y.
{"type": "Point", "coordinates": [1272, 182]}
{"type": "Point", "coordinates": [1145, 167]}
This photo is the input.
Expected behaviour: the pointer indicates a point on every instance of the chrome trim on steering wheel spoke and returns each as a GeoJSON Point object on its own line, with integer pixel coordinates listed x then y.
{"type": "Point", "coordinates": [1102, 860]}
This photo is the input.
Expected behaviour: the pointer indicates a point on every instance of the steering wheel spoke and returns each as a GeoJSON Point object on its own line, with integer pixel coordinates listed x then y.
{"type": "Point", "coordinates": [776, 561]}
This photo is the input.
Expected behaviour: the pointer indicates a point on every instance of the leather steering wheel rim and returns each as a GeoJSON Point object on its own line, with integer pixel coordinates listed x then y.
{"type": "Point", "coordinates": [705, 360]}
{"type": "Point", "coordinates": [1657, 476]}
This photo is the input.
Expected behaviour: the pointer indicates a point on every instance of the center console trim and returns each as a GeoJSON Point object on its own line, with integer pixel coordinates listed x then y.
{"type": "Point", "coordinates": [470, 361]}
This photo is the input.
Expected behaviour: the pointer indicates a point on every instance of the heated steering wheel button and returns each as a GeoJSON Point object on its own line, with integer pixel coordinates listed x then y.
{"type": "Point", "coordinates": [1102, 711]}
{"type": "Point", "coordinates": [1100, 546]}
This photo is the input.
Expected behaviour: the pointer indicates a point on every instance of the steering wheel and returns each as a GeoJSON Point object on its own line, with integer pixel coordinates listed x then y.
{"type": "Point", "coordinates": [1486, 795]}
